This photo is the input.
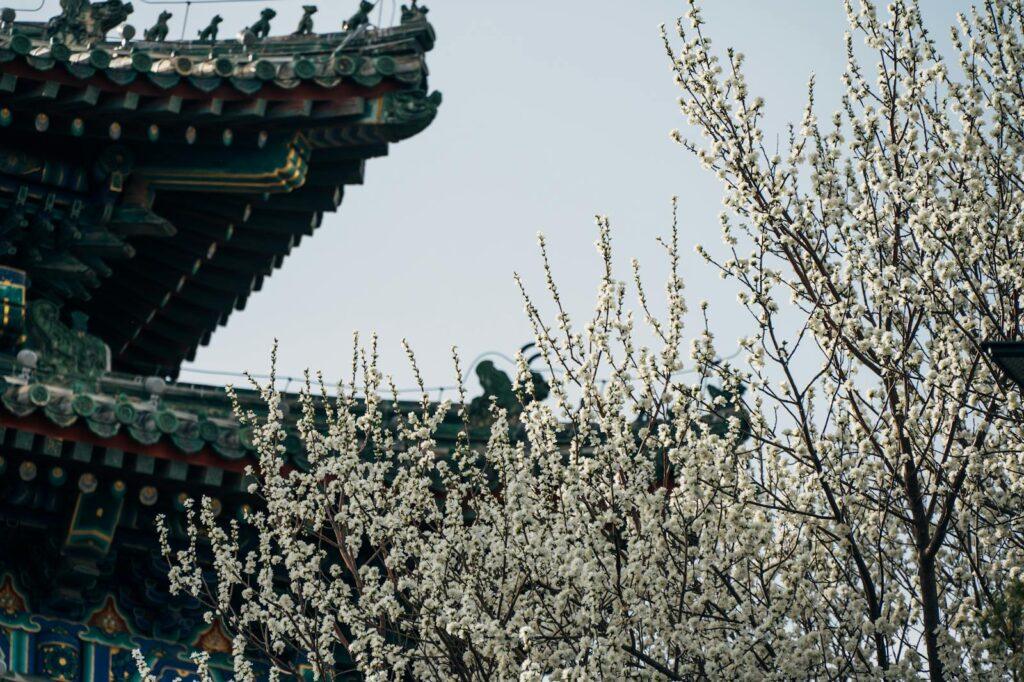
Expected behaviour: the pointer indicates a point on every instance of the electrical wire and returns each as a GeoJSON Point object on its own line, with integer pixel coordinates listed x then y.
{"type": "Point", "coordinates": [29, 9]}
{"type": "Point", "coordinates": [184, 21]}
{"type": "Point", "coordinates": [416, 389]}
{"type": "Point", "coordinates": [202, 2]}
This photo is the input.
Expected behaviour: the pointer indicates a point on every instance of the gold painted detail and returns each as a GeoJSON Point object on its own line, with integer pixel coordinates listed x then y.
{"type": "Point", "coordinates": [289, 175]}
{"type": "Point", "coordinates": [214, 640]}
{"type": "Point", "coordinates": [10, 601]}
{"type": "Point", "coordinates": [109, 619]}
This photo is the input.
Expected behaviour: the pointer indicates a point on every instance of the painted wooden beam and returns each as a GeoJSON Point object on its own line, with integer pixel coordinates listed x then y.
{"type": "Point", "coordinates": [196, 204]}
{"type": "Point", "coordinates": [330, 155]}
{"type": "Point", "coordinates": [280, 223]}
{"type": "Point", "coordinates": [246, 110]}
{"type": "Point", "coordinates": [158, 347]}
{"type": "Point", "coordinates": [206, 297]}
{"type": "Point", "coordinates": [231, 258]}
{"type": "Point", "coordinates": [155, 271]}
{"type": "Point", "coordinates": [162, 105]}
{"type": "Point", "coordinates": [238, 283]}
{"type": "Point", "coordinates": [262, 243]}
{"type": "Point", "coordinates": [346, 108]}
{"type": "Point", "coordinates": [290, 110]}
{"type": "Point", "coordinates": [118, 103]}
{"type": "Point", "coordinates": [137, 221]}
{"type": "Point", "coordinates": [33, 94]}
{"type": "Point", "coordinates": [342, 173]}
{"type": "Point", "coordinates": [204, 109]}
{"type": "Point", "coordinates": [190, 316]}
{"type": "Point", "coordinates": [74, 99]}
{"type": "Point", "coordinates": [306, 198]}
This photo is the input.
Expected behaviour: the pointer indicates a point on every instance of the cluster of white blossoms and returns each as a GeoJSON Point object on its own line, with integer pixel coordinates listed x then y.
{"type": "Point", "coordinates": [850, 506]}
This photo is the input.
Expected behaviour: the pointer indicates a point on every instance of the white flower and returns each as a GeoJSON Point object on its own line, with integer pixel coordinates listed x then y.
{"type": "Point", "coordinates": [853, 514]}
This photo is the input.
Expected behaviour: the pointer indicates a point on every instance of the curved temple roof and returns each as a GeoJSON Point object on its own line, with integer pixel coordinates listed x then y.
{"type": "Point", "coordinates": [147, 188]}
{"type": "Point", "coordinates": [180, 422]}
{"type": "Point", "coordinates": [364, 58]}
{"type": "Point", "coordinates": [185, 171]}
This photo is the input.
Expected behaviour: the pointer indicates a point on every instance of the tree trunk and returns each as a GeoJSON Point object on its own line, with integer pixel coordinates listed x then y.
{"type": "Point", "coordinates": [925, 567]}
{"type": "Point", "coordinates": [930, 605]}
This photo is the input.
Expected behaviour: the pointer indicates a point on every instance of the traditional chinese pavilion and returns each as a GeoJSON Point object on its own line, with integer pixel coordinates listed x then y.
{"type": "Point", "coordinates": [147, 189]}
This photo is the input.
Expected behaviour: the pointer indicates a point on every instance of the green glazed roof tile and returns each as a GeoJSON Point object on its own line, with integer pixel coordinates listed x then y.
{"type": "Point", "coordinates": [165, 81]}
{"type": "Point", "coordinates": [122, 76]}
{"type": "Point", "coordinates": [187, 444]}
{"type": "Point", "coordinates": [103, 429]}
{"type": "Point", "coordinates": [60, 413]}
{"type": "Point", "coordinates": [166, 421]}
{"type": "Point", "coordinates": [83, 405]}
{"type": "Point", "coordinates": [20, 44]}
{"type": "Point", "coordinates": [205, 83]}
{"type": "Point", "coordinates": [41, 63]}
{"type": "Point", "coordinates": [208, 430]}
{"type": "Point", "coordinates": [142, 62]}
{"type": "Point", "coordinates": [246, 85]}
{"type": "Point", "coordinates": [80, 71]}
{"type": "Point", "coordinates": [392, 52]}
{"type": "Point", "coordinates": [145, 436]}
{"type": "Point", "coordinates": [228, 452]}
{"type": "Point", "coordinates": [38, 394]}
{"type": "Point", "coordinates": [125, 413]}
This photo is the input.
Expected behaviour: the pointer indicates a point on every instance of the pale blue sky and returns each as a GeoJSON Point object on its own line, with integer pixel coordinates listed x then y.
{"type": "Point", "coordinates": [553, 111]}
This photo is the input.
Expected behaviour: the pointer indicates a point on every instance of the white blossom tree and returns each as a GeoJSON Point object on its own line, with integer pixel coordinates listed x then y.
{"type": "Point", "coordinates": [849, 506]}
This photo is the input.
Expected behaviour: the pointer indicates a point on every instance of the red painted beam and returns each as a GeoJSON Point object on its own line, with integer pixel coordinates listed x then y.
{"type": "Point", "coordinates": [38, 424]}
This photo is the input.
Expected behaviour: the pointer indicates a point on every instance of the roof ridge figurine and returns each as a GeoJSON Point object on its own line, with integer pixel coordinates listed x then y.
{"type": "Point", "coordinates": [83, 20]}
{"type": "Point", "coordinates": [157, 33]}
{"type": "Point", "coordinates": [306, 22]}
{"type": "Point", "coordinates": [261, 29]}
{"type": "Point", "coordinates": [361, 17]}
{"type": "Point", "coordinates": [414, 12]}
{"type": "Point", "coordinates": [7, 16]}
{"type": "Point", "coordinates": [209, 34]}
{"type": "Point", "coordinates": [65, 350]}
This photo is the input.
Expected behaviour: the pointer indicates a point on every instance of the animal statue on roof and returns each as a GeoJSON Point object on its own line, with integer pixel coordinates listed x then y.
{"type": "Point", "coordinates": [261, 29]}
{"type": "Point", "coordinates": [81, 20]}
{"type": "Point", "coordinates": [361, 17]}
{"type": "Point", "coordinates": [499, 391]}
{"type": "Point", "coordinates": [7, 16]}
{"type": "Point", "coordinates": [64, 350]}
{"type": "Point", "coordinates": [158, 32]}
{"type": "Point", "coordinates": [414, 12]}
{"type": "Point", "coordinates": [727, 405]}
{"type": "Point", "coordinates": [306, 22]}
{"type": "Point", "coordinates": [209, 34]}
